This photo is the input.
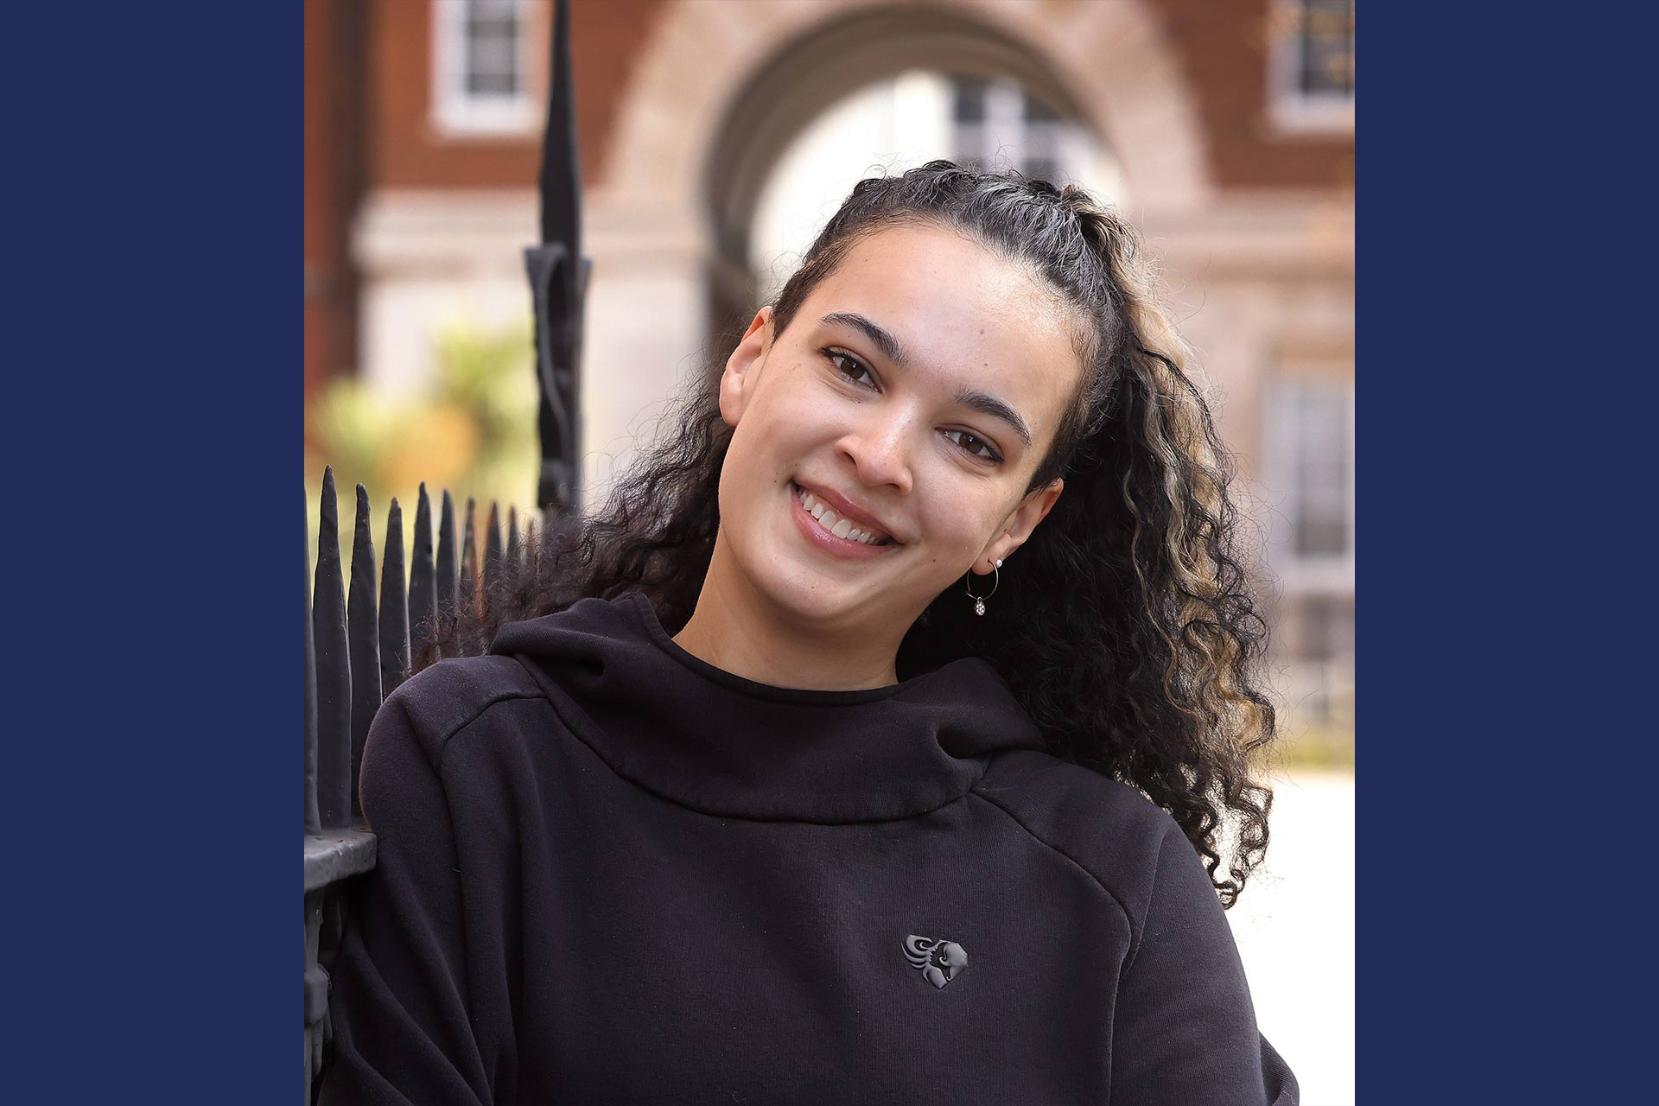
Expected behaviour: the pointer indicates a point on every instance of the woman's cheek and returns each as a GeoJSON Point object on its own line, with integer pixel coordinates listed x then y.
{"type": "Point", "coordinates": [803, 411]}
{"type": "Point", "coordinates": [951, 528]}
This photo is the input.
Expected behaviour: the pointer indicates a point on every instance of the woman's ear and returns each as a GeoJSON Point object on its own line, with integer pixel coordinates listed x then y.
{"type": "Point", "coordinates": [1032, 510]}
{"type": "Point", "coordinates": [742, 372]}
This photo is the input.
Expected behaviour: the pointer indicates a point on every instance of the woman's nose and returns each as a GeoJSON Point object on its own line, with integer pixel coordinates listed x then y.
{"type": "Point", "coordinates": [880, 453]}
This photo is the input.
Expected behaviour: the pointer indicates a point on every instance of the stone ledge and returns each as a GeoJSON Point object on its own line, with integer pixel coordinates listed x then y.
{"type": "Point", "coordinates": [332, 857]}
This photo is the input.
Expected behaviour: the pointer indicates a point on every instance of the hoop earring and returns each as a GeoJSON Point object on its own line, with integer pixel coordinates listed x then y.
{"type": "Point", "coordinates": [979, 600]}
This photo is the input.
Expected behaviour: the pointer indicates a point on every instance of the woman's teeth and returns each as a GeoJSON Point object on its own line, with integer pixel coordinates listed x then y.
{"type": "Point", "coordinates": [835, 524]}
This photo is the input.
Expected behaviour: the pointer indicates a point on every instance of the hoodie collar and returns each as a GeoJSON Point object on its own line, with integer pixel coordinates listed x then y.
{"type": "Point", "coordinates": [716, 742]}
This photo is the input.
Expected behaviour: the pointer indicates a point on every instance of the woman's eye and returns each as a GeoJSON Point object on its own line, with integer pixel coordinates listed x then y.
{"type": "Point", "coordinates": [848, 367]}
{"type": "Point", "coordinates": [973, 443]}
{"type": "Point", "coordinates": [851, 369]}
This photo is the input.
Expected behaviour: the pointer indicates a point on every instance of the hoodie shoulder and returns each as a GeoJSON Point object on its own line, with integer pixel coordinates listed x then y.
{"type": "Point", "coordinates": [451, 694]}
{"type": "Point", "coordinates": [1107, 828]}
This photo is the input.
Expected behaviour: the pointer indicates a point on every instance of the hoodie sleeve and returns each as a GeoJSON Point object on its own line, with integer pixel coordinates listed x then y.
{"type": "Point", "coordinates": [1185, 1032]}
{"type": "Point", "coordinates": [403, 1022]}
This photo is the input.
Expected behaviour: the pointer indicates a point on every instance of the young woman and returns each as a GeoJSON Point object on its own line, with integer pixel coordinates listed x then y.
{"type": "Point", "coordinates": [886, 738]}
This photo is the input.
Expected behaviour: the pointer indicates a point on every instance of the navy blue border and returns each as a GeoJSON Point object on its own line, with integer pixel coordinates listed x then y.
{"type": "Point", "coordinates": [153, 460]}
{"type": "Point", "coordinates": [1503, 472]}
{"type": "Point", "coordinates": [154, 407]}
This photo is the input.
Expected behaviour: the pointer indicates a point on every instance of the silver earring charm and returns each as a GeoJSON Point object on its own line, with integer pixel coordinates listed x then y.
{"type": "Point", "coordinates": [979, 600]}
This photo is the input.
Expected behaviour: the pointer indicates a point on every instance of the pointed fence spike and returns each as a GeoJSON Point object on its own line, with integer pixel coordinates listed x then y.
{"type": "Point", "coordinates": [514, 549]}
{"type": "Point", "coordinates": [446, 556]}
{"type": "Point", "coordinates": [328, 630]}
{"type": "Point", "coordinates": [469, 552]}
{"type": "Point", "coordinates": [423, 580]}
{"type": "Point", "coordinates": [467, 599]}
{"type": "Point", "coordinates": [363, 638]}
{"type": "Point", "coordinates": [492, 550]}
{"type": "Point", "coordinates": [394, 606]}
{"type": "Point", "coordinates": [560, 182]}
{"type": "Point", "coordinates": [313, 820]}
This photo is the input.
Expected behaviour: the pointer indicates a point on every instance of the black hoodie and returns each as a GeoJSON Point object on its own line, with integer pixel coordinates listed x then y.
{"type": "Point", "coordinates": [610, 872]}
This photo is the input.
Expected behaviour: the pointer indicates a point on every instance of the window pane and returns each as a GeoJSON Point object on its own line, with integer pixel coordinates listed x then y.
{"type": "Point", "coordinates": [1324, 627]}
{"type": "Point", "coordinates": [1326, 47]}
{"type": "Point", "coordinates": [1310, 436]}
{"type": "Point", "coordinates": [492, 48]}
{"type": "Point", "coordinates": [492, 55]}
{"type": "Point", "coordinates": [491, 84]}
{"type": "Point", "coordinates": [969, 140]}
{"type": "Point", "coordinates": [1041, 140]}
{"type": "Point", "coordinates": [1322, 453]}
{"type": "Point", "coordinates": [1042, 168]}
{"type": "Point", "coordinates": [1036, 111]}
{"type": "Point", "coordinates": [969, 100]}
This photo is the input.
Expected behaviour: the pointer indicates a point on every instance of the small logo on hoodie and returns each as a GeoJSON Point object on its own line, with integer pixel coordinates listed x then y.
{"type": "Point", "coordinates": [939, 960]}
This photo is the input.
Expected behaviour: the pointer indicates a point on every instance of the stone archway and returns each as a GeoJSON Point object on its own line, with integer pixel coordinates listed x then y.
{"type": "Point", "coordinates": [721, 88]}
{"type": "Point", "coordinates": [720, 81]}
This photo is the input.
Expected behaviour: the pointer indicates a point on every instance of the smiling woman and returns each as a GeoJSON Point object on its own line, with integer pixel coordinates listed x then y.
{"type": "Point", "coordinates": [757, 792]}
{"type": "Point", "coordinates": [895, 396]}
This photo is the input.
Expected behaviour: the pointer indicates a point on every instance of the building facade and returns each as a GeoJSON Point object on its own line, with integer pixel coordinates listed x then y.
{"type": "Point", "coordinates": [1224, 128]}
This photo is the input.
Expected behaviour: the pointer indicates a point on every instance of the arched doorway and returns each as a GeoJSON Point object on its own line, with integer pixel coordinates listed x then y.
{"type": "Point", "coordinates": [942, 82]}
{"type": "Point", "coordinates": [723, 90]}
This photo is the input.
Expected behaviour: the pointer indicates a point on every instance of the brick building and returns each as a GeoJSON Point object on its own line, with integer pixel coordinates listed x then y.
{"type": "Point", "coordinates": [1223, 127]}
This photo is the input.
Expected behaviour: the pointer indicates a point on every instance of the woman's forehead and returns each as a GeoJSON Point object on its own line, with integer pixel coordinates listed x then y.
{"type": "Point", "coordinates": [958, 308]}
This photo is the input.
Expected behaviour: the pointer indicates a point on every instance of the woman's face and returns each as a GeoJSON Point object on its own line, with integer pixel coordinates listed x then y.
{"type": "Point", "coordinates": [919, 384]}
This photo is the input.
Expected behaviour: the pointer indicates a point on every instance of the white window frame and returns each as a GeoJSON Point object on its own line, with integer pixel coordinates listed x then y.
{"type": "Point", "coordinates": [1292, 110]}
{"type": "Point", "coordinates": [1006, 131]}
{"type": "Point", "coordinates": [456, 111]}
{"type": "Point", "coordinates": [1319, 691]}
{"type": "Point", "coordinates": [1302, 574]}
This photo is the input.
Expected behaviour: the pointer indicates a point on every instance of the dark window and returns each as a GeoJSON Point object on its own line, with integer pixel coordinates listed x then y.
{"type": "Point", "coordinates": [1042, 168]}
{"type": "Point", "coordinates": [1326, 631]}
{"type": "Point", "coordinates": [1325, 47]}
{"type": "Point", "coordinates": [1036, 111]}
{"type": "Point", "coordinates": [1323, 480]}
{"type": "Point", "coordinates": [1311, 465]}
{"type": "Point", "coordinates": [492, 29]}
{"type": "Point", "coordinates": [998, 123]}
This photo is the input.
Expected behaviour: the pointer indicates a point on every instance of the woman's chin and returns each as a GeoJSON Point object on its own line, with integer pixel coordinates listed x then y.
{"type": "Point", "coordinates": [811, 594]}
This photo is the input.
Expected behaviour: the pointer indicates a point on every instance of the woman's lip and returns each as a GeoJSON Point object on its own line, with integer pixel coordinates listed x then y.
{"type": "Point", "coordinates": [817, 535]}
{"type": "Point", "coordinates": [848, 511]}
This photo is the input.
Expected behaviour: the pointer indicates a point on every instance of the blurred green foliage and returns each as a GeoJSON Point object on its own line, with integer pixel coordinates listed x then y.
{"type": "Point", "coordinates": [1328, 746]}
{"type": "Point", "coordinates": [471, 430]}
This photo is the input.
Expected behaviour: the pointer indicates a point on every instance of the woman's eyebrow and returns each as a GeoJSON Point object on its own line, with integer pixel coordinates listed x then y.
{"type": "Point", "coordinates": [889, 345]}
{"type": "Point", "coordinates": [996, 409]}
{"type": "Point", "coordinates": [893, 350]}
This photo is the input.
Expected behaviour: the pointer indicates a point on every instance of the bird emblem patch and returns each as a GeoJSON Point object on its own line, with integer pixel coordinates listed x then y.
{"type": "Point", "coordinates": [939, 960]}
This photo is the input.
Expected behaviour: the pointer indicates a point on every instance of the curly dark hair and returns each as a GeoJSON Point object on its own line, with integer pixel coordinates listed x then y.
{"type": "Point", "coordinates": [1129, 633]}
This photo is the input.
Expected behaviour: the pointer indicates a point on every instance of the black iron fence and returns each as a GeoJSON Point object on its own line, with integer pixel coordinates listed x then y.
{"type": "Point", "coordinates": [359, 645]}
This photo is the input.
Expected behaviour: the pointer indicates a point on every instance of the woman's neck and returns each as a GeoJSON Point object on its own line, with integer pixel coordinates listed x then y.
{"type": "Point", "coordinates": [737, 628]}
